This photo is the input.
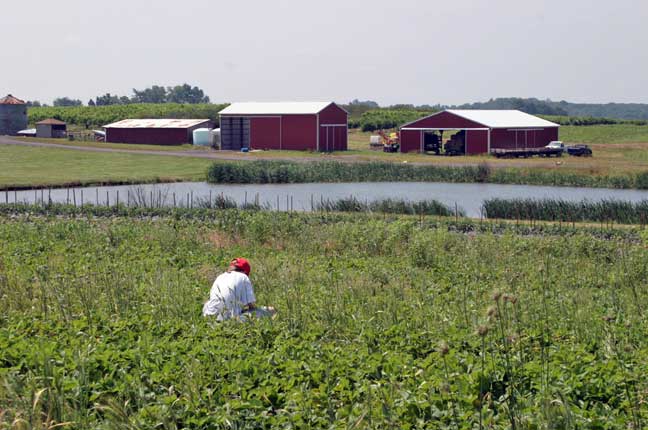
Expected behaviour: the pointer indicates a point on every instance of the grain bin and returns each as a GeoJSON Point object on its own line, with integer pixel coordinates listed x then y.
{"type": "Point", "coordinates": [13, 115]}
{"type": "Point", "coordinates": [202, 137]}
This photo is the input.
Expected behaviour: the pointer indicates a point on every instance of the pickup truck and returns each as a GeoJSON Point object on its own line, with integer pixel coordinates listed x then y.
{"type": "Point", "coordinates": [579, 150]}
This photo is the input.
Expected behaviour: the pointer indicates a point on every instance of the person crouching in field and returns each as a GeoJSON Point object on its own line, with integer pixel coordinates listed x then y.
{"type": "Point", "coordinates": [232, 296]}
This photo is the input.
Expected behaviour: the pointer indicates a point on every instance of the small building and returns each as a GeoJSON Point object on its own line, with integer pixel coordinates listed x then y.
{"type": "Point", "coordinates": [154, 131]}
{"type": "Point", "coordinates": [51, 128]}
{"type": "Point", "coordinates": [13, 115]}
{"type": "Point", "coordinates": [483, 130]}
{"type": "Point", "coordinates": [313, 126]}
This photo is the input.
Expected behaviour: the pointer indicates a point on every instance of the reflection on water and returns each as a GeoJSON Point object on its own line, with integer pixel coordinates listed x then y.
{"type": "Point", "coordinates": [302, 197]}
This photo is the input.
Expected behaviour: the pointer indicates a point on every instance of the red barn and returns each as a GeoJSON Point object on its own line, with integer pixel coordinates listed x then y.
{"type": "Point", "coordinates": [314, 126]}
{"type": "Point", "coordinates": [154, 131]}
{"type": "Point", "coordinates": [484, 130]}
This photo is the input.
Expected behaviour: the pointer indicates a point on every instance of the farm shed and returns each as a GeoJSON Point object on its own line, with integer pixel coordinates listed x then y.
{"type": "Point", "coordinates": [13, 115]}
{"type": "Point", "coordinates": [315, 126]}
{"type": "Point", "coordinates": [154, 131]}
{"type": "Point", "coordinates": [484, 130]}
{"type": "Point", "coordinates": [51, 128]}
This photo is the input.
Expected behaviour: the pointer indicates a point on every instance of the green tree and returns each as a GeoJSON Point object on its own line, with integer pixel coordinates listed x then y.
{"type": "Point", "coordinates": [66, 101]}
{"type": "Point", "coordinates": [155, 94]}
{"type": "Point", "coordinates": [185, 93]}
{"type": "Point", "coordinates": [107, 100]}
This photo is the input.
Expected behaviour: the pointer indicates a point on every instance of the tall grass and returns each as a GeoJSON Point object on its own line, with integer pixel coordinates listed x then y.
{"type": "Point", "coordinates": [391, 206]}
{"type": "Point", "coordinates": [560, 210]}
{"type": "Point", "coordinates": [281, 172]}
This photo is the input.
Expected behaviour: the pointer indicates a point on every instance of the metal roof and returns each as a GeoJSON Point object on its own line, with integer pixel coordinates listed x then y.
{"type": "Point", "coordinates": [274, 108]}
{"type": "Point", "coordinates": [50, 121]}
{"type": "Point", "coordinates": [502, 118]}
{"type": "Point", "coordinates": [11, 100]}
{"type": "Point", "coordinates": [156, 123]}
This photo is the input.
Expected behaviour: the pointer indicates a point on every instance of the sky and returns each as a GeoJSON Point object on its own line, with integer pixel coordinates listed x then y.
{"type": "Point", "coordinates": [400, 51]}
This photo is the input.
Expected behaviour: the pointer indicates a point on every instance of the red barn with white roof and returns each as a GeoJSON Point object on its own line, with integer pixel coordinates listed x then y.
{"type": "Point", "coordinates": [485, 130]}
{"type": "Point", "coordinates": [314, 126]}
{"type": "Point", "coordinates": [154, 131]}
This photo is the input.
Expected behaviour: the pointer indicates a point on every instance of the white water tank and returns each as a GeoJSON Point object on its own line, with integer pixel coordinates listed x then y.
{"type": "Point", "coordinates": [215, 138]}
{"type": "Point", "coordinates": [202, 137]}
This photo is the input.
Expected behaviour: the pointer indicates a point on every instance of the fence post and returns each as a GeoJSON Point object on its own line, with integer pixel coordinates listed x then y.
{"type": "Point", "coordinates": [81, 197]}
{"type": "Point", "coordinates": [456, 212]}
{"type": "Point", "coordinates": [117, 197]}
{"type": "Point", "coordinates": [67, 196]}
{"type": "Point", "coordinates": [191, 207]}
{"type": "Point", "coordinates": [174, 200]}
{"type": "Point", "coordinates": [107, 199]}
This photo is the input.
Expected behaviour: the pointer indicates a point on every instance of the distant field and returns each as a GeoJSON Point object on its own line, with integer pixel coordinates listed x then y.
{"type": "Point", "coordinates": [52, 166]}
{"type": "Point", "coordinates": [128, 146]}
{"type": "Point", "coordinates": [615, 133]}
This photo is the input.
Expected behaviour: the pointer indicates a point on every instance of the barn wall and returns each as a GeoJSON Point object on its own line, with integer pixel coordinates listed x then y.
{"type": "Point", "coordinates": [152, 136]}
{"type": "Point", "coordinates": [265, 132]}
{"type": "Point", "coordinates": [299, 132]}
{"type": "Point", "coordinates": [410, 140]}
{"type": "Point", "coordinates": [514, 139]}
{"type": "Point", "coordinates": [444, 120]}
{"type": "Point", "coordinates": [333, 138]}
{"type": "Point", "coordinates": [477, 142]}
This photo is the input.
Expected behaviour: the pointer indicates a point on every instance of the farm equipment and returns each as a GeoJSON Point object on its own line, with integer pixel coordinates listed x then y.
{"type": "Point", "coordinates": [433, 142]}
{"type": "Point", "coordinates": [457, 144]}
{"type": "Point", "coordinates": [579, 150]}
{"type": "Point", "coordinates": [553, 149]}
{"type": "Point", "coordinates": [390, 142]}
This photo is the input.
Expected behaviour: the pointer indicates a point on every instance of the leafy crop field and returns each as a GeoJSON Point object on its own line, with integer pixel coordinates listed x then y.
{"type": "Point", "coordinates": [382, 323]}
{"type": "Point", "coordinates": [98, 116]}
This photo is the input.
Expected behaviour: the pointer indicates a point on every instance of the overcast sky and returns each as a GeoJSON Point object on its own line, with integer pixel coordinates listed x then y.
{"type": "Point", "coordinates": [400, 51]}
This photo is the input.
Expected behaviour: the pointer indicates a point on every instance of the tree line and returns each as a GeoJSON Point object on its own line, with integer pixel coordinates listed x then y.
{"type": "Point", "coordinates": [182, 94]}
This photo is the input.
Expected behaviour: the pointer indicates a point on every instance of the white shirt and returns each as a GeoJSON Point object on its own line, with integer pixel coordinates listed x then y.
{"type": "Point", "coordinates": [229, 294]}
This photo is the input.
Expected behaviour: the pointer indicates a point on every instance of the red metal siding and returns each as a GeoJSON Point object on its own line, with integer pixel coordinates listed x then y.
{"type": "Point", "coordinates": [512, 139]}
{"type": "Point", "coordinates": [153, 136]}
{"type": "Point", "coordinates": [333, 114]}
{"type": "Point", "coordinates": [265, 133]}
{"type": "Point", "coordinates": [333, 138]}
{"type": "Point", "coordinates": [410, 140]}
{"type": "Point", "coordinates": [476, 142]}
{"type": "Point", "coordinates": [444, 120]}
{"type": "Point", "coordinates": [299, 132]}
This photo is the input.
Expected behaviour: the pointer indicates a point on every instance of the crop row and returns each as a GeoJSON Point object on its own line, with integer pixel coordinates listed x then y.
{"type": "Point", "coordinates": [98, 116]}
{"type": "Point", "coordinates": [382, 323]}
{"type": "Point", "coordinates": [264, 171]}
{"type": "Point", "coordinates": [225, 212]}
{"type": "Point", "coordinates": [379, 119]}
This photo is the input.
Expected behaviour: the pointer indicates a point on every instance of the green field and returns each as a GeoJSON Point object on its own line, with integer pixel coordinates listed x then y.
{"type": "Point", "coordinates": [382, 323]}
{"type": "Point", "coordinates": [33, 166]}
{"type": "Point", "coordinates": [615, 133]}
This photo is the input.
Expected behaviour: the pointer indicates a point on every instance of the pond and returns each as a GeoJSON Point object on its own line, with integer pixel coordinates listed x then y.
{"type": "Point", "coordinates": [300, 197]}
